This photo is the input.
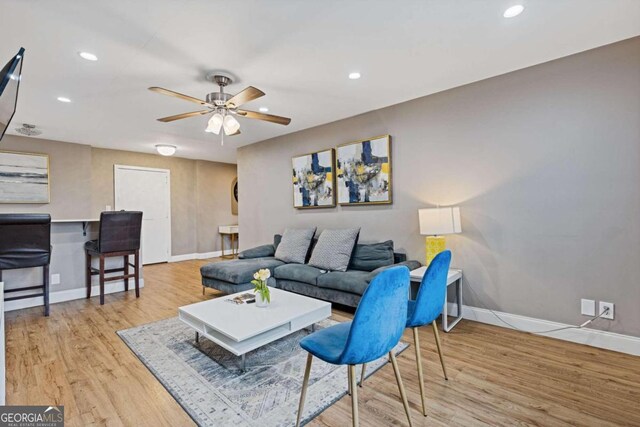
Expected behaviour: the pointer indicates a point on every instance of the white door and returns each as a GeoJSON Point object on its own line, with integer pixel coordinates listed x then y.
{"type": "Point", "coordinates": [147, 190]}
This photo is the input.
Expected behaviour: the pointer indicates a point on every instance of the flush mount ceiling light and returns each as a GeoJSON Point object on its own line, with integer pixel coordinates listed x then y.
{"type": "Point", "coordinates": [354, 75]}
{"type": "Point", "coordinates": [263, 109]}
{"type": "Point", "coordinates": [63, 99]}
{"type": "Point", "coordinates": [513, 11]}
{"type": "Point", "coordinates": [166, 150]}
{"type": "Point", "coordinates": [224, 107]}
{"type": "Point", "coordinates": [88, 56]}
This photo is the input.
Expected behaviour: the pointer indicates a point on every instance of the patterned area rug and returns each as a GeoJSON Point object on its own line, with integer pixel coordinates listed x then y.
{"type": "Point", "coordinates": [207, 381]}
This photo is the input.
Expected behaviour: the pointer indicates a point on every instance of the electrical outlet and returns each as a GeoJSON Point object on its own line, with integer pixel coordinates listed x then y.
{"type": "Point", "coordinates": [55, 279]}
{"type": "Point", "coordinates": [603, 306]}
{"type": "Point", "coordinates": [108, 208]}
{"type": "Point", "coordinates": [588, 307]}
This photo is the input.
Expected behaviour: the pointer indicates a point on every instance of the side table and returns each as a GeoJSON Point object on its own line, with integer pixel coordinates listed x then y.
{"type": "Point", "coordinates": [454, 276]}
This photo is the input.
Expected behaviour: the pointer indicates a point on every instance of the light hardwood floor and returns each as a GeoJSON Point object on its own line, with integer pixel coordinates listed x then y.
{"type": "Point", "coordinates": [496, 376]}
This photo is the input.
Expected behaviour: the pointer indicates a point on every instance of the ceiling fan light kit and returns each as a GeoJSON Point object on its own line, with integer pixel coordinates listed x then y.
{"type": "Point", "coordinates": [214, 124]}
{"type": "Point", "coordinates": [223, 106]}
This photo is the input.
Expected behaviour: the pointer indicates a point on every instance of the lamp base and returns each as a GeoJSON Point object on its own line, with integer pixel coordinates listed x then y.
{"type": "Point", "coordinates": [434, 245]}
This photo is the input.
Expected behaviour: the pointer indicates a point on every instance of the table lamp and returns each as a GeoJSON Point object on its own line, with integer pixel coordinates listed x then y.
{"type": "Point", "coordinates": [435, 223]}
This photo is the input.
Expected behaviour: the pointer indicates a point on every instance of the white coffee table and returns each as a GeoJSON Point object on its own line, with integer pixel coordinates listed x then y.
{"type": "Point", "coordinates": [241, 328]}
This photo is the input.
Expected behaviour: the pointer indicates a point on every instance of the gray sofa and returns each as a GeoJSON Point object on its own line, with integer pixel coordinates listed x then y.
{"type": "Point", "coordinates": [339, 287]}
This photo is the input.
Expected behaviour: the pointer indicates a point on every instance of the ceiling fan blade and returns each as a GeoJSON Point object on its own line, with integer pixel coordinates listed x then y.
{"type": "Point", "coordinates": [184, 116]}
{"type": "Point", "coordinates": [181, 96]}
{"type": "Point", "coordinates": [266, 117]}
{"type": "Point", "coordinates": [248, 94]}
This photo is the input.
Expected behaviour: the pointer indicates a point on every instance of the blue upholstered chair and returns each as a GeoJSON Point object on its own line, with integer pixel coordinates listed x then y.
{"type": "Point", "coordinates": [425, 310]}
{"type": "Point", "coordinates": [375, 330]}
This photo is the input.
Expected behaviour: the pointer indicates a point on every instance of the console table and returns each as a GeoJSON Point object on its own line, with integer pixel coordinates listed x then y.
{"type": "Point", "coordinates": [233, 232]}
{"type": "Point", "coordinates": [454, 277]}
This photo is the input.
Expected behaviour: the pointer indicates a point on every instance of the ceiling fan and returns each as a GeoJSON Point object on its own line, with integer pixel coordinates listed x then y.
{"type": "Point", "coordinates": [224, 107]}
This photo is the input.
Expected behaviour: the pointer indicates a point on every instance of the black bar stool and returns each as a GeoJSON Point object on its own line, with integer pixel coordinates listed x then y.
{"type": "Point", "coordinates": [119, 236]}
{"type": "Point", "coordinates": [25, 242]}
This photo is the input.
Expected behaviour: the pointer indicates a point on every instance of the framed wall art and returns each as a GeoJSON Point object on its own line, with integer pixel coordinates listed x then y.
{"type": "Point", "coordinates": [363, 171]}
{"type": "Point", "coordinates": [24, 177]}
{"type": "Point", "coordinates": [313, 185]}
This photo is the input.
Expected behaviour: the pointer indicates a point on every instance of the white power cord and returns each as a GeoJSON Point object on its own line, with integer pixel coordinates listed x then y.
{"type": "Point", "coordinates": [604, 311]}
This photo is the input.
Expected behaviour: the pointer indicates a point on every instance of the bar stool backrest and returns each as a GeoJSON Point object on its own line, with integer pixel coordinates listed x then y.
{"type": "Point", "coordinates": [25, 240]}
{"type": "Point", "coordinates": [119, 231]}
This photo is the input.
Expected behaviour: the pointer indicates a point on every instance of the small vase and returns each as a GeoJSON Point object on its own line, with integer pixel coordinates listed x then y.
{"type": "Point", "coordinates": [260, 302]}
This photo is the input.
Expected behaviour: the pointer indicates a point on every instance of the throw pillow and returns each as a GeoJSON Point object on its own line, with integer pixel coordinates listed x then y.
{"type": "Point", "coordinates": [334, 248]}
{"type": "Point", "coordinates": [294, 245]}
{"type": "Point", "coordinates": [368, 257]}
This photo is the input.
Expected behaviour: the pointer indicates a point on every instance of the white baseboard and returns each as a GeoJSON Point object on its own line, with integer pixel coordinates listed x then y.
{"type": "Point", "coordinates": [69, 294]}
{"type": "Point", "coordinates": [592, 337]}
{"type": "Point", "coordinates": [187, 257]}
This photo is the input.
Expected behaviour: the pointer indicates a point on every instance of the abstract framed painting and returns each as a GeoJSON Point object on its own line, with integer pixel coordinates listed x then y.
{"type": "Point", "coordinates": [313, 185]}
{"type": "Point", "coordinates": [363, 171]}
{"type": "Point", "coordinates": [24, 177]}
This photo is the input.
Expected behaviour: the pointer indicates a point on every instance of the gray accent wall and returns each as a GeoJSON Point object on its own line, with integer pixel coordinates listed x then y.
{"type": "Point", "coordinates": [544, 163]}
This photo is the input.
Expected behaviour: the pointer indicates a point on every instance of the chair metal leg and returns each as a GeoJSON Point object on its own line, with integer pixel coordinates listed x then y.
{"type": "Point", "coordinates": [403, 394]}
{"type": "Point", "coordinates": [416, 341]}
{"type": "Point", "coordinates": [349, 391]}
{"type": "Point", "coordinates": [305, 384]}
{"type": "Point", "coordinates": [435, 332]}
{"type": "Point", "coordinates": [101, 279]}
{"type": "Point", "coordinates": [364, 368]}
{"type": "Point", "coordinates": [45, 279]}
{"type": "Point", "coordinates": [354, 396]}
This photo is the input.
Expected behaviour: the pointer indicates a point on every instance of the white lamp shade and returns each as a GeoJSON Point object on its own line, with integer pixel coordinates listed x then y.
{"type": "Point", "coordinates": [214, 124]}
{"type": "Point", "coordinates": [166, 150]}
{"type": "Point", "coordinates": [230, 125]}
{"type": "Point", "coordinates": [438, 221]}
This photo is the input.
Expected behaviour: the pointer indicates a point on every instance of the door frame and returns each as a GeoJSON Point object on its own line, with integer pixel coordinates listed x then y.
{"type": "Point", "coordinates": [117, 167]}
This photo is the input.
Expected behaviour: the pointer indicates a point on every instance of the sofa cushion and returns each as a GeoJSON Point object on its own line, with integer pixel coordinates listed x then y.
{"type": "Point", "coordinates": [368, 257]}
{"type": "Point", "coordinates": [334, 248]}
{"type": "Point", "coordinates": [353, 281]}
{"type": "Point", "coordinates": [238, 270]}
{"type": "Point", "coordinates": [295, 244]}
{"type": "Point", "coordinates": [298, 273]}
{"type": "Point", "coordinates": [258, 252]}
{"type": "Point", "coordinates": [411, 265]}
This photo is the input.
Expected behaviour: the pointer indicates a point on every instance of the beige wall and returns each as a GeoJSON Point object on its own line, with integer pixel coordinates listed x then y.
{"type": "Point", "coordinates": [69, 177]}
{"type": "Point", "coordinates": [544, 163]}
{"type": "Point", "coordinates": [213, 202]}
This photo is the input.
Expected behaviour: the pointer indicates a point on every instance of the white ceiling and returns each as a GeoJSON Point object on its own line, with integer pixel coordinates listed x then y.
{"type": "Point", "coordinates": [298, 52]}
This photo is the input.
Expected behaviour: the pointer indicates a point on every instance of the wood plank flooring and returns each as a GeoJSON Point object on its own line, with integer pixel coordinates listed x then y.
{"type": "Point", "coordinates": [497, 376]}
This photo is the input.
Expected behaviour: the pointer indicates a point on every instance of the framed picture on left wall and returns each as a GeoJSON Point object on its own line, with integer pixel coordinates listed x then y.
{"type": "Point", "coordinates": [24, 177]}
{"type": "Point", "coordinates": [313, 180]}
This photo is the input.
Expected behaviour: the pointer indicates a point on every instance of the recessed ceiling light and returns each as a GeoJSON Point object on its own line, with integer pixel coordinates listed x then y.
{"type": "Point", "coordinates": [264, 109]}
{"type": "Point", "coordinates": [88, 56]}
{"type": "Point", "coordinates": [513, 11]}
{"type": "Point", "coordinates": [63, 99]}
{"type": "Point", "coordinates": [354, 76]}
{"type": "Point", "coordinates": [166, 150]}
